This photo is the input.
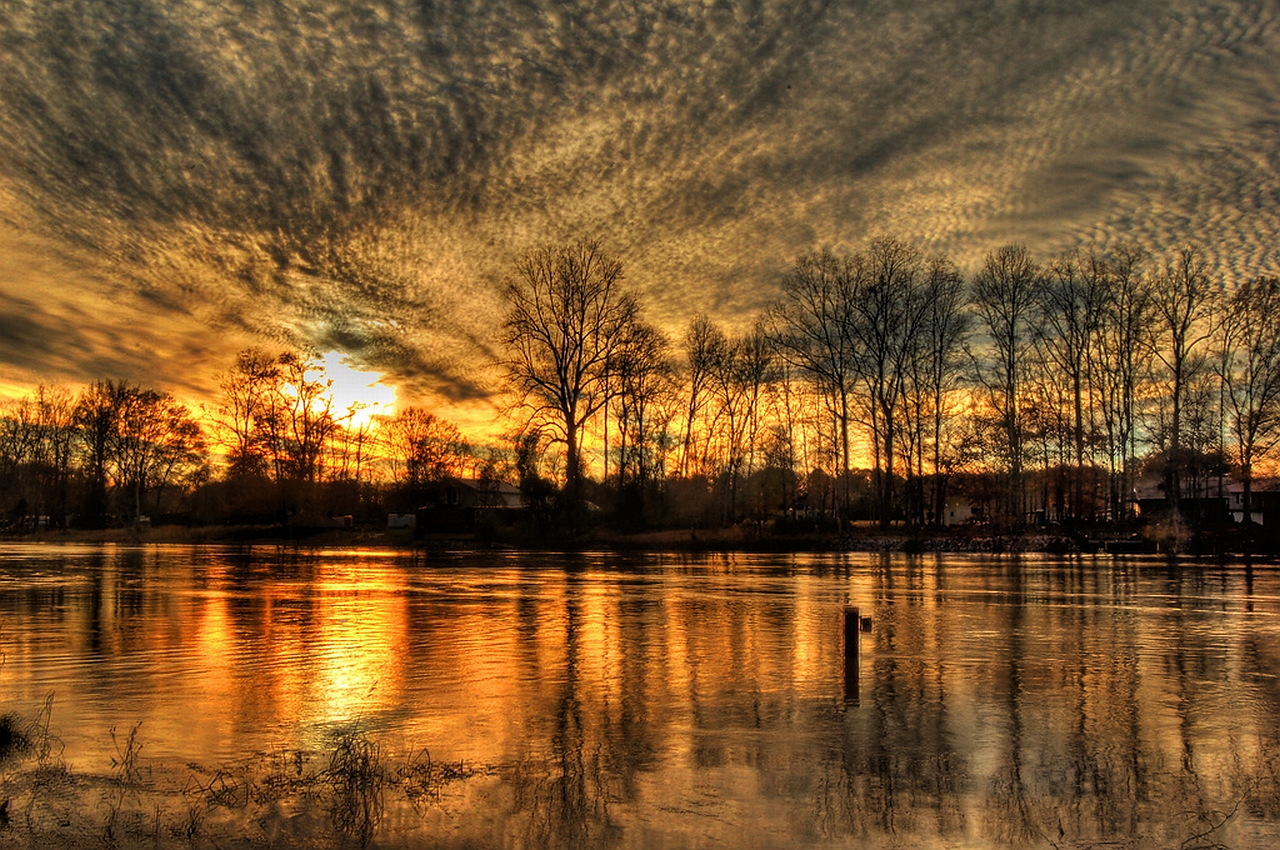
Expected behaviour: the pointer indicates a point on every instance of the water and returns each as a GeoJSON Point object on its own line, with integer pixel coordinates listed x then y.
{"type": "Point", "coordinates": [655, 700]}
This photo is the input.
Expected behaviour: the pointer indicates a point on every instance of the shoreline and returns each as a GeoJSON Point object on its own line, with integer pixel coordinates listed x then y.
{"type": "Point", "coordinates": [737, 539]}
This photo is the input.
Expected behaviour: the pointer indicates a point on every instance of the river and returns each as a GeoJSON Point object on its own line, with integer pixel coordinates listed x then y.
{"type": "Point", "coordinates": [209, 695]}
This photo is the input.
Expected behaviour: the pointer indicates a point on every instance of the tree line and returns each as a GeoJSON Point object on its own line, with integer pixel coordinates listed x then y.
{"type": "Point", "coordinates": [882, 379]}
{"type": "Point", "coordinates": [274, 449]}
{"type": "Point", "coordinates": [882, 384]}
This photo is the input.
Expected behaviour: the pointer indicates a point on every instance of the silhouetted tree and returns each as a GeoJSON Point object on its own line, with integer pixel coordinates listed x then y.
{"type": "Point", "coordinates": [1004, 293]}
{"type": "Point", "coordinates": [247, 389]}
{"type": "Point", "coordinates": [567, 311]}
{"type": "Point", "coordinates": [301, 417]}
{"type": "Point", "coordinates": [96, 414]}
{"type": "Point", "coordinates": [1183, 299]}
{"type": "Point", "coordinates": [134, 441]}
{"type": "Point", "coordinates": [1122, 359]}
{"type": "Point", "coordinates": [1069, 313]}
{"type": "Point", "coordinates": [644, 374]}
{"type": "Point", "coordinates": [1248, 362]}
{"type": "Point", "coordinates": [155, 444]}
{"type": "Point", "coordinates": [939, 365]}
{"type": "Point", "coordinates": [739, 371]}
{"type": "Point", "coordinates": [811, 326]}
{"type": "Point", "coordinates": [420, 447]}
{"type": "Point", "coordinates": [700, 343]}
{"type": "Point", "coordinates": [888, 310]}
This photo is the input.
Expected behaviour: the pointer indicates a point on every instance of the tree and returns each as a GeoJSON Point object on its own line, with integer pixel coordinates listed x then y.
{"type": "Point", "coordinates": [421, 447]}
{"type": "Point", "coordinates": [888, 309]}
{"type": "Point", "coordinates": [96, 412]}
{"type": "Point", "coordinates": [1004, 291]}
{"type": "Point", "coordinates": [644, 376]}
{"type": "Point", "coordinates": [155, 442]}
{"type": "Point", "coordinates": [1068, 313]}
{"type": "Point", "coordinates": [810, 326]}
{"type": "Point", "coordinates": [181, 456]}
{"type": "Point", "coordinates": [1248, 361]}
{"type": "Point", "coordinates": [938, 366]}
{"type": "Point", "coordinates": [133, 441]}
{"type": "Point", "coordinates": [301, 417]}
{"type": "Point", "coordinates": [1123, 355]}
{"type": "Point", "coordinates": [700, 343]}
{"type": "Point", "coordinates": [567, 311]}
{"type": "Point", "coordinates": [247, 390]}
{"type": "Point", "coordinates": [739, 369]}
{"type": "Point", "coordinates": [1184, 300]}
{"type": "Point", "coordinates": [55, 450]}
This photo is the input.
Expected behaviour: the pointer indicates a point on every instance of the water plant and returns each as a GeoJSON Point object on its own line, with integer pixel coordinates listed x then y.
{"type": "Point", "coordinates": [356, 778]}
{"type": "Point", "coordinates": [125, 760]}
{"type": "Point", "coordinates": [46, 745]}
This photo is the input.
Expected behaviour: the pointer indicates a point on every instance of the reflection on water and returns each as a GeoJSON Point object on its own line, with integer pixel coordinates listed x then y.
{"type": "Point", "coordinates": [652, 701]}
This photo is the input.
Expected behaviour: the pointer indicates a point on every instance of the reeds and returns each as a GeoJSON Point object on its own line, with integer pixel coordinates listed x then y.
{"type": "Point", "coordinates": [125, 760]}
{"type": "Point", "coordinates": [344, 791]}
{"type": "Point", "coordinates": [356, 778]}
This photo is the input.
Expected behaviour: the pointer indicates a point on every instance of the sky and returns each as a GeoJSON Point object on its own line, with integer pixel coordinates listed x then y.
{"type": "Point", "coordinates": [180, 180]}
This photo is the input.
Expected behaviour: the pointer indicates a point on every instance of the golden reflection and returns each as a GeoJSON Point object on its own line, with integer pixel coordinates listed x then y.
{"type": "Point", "coordinates": [694, 703]}
{"type": "Point", "coordinates": [355, 653]}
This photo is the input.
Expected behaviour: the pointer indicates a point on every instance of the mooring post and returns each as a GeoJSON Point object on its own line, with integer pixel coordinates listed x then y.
{"type": "Point", "coordinates": [852, 625]}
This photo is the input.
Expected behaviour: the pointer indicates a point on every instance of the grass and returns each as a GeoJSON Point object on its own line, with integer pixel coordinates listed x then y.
{"type": "Point", "coordinates": [356, 778]}
{"type": "Point", "coordinates": [341, 794]}
{"type": "Point", "coordinates": [126, 758]}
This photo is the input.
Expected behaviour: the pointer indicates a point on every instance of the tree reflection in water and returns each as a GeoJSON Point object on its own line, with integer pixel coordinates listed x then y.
{"type": "Point", "coordinates": [639, 701]}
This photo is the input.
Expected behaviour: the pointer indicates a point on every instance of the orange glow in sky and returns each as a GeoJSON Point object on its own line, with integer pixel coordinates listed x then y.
{"type": "Point", "coordinates": [358, 392]}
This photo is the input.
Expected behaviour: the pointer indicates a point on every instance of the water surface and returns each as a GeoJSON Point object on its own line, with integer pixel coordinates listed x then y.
{"type": "Point", "coordinates": [681, 700]}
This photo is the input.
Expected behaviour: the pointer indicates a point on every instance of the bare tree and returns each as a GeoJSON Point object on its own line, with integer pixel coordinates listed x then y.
{"type": "Point", "coordinates": [740, 370]}
{"type": "Point", "coordinates": [350, 442]}
{"type": "Point", "coordinates": [134, 441]}
{"type": "Point", "coordinates": [888, 309]}
{"type": "Point", "coordinates": [96, 416]}
{"type": "Point", "coordinates": [700, 343]}
{"type": "Point", "coordinates": [811, 327]}
{"type": "Point", "coordinates": [566, 313]}
{"type": "Point", "coordinates": [1248, 361]}
{"type": "Point", "coordinates": [1123, 355]}
{"type": "Point", "coordinates": [247, 391]}
{"type": "Point", "coordinates": [52, 412]}
{"type": "Point", "coordinates": [1184, 299]}
{"type": "Point", "coordinates": [1068, 314]}
{"type": "Point", "coordinates": [155, 442]}
{"type": "Point", "coordinates": [938, 366]}
{"type": "Point", "coordinates": [301, 416]}
{"type": "Point", "coordinates": [19, 439]}
{"type": "Point", "coordinates": [1004, 294]}
{"type": "Point", "coordinates": [645, 407]}
{"type": "Point", "coordinates": [421, 447]}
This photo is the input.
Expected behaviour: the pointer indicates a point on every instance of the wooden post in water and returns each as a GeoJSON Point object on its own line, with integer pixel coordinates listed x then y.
{"type": "Point", "coordinates": [852, 625]}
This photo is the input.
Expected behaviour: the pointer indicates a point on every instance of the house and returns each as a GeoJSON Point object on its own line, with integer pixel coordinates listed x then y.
{"type": "Point", "coordinates": [960, 510]}
{"type": "Point", "coordinates": [1207, 502]}
{"type": "Point", "coordinates": [1264, 502]}
{"type": "Point", "coordinates": [460, 505]}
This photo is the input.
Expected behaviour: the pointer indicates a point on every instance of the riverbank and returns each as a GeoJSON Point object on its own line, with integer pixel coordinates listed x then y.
{"type": "Point", "coordinates": [1153, 540]}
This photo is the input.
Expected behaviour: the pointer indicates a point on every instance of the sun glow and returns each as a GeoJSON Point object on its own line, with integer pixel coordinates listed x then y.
{"type": "Point", "coordinates": [356, 393]}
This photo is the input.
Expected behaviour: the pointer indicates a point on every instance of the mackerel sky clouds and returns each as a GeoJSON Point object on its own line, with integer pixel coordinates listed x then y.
{"type": "Point", "coordinates": [181, 179]}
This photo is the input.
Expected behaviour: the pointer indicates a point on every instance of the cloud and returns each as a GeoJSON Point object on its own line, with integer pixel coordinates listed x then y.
{"type": "Point", "coordinates": [195, 176]}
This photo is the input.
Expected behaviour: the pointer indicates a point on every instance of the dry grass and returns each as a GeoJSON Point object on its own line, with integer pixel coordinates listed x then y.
{"type": "Point", "coordinates": [339, 796]}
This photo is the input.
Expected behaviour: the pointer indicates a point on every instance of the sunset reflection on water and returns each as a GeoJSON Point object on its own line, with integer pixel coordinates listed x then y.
{"type": "Point", "coordinates": [655, 700]}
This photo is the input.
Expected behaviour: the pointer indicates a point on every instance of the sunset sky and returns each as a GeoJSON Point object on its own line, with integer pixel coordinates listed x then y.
{"type": "Point", "coordinates": [179, 180]}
